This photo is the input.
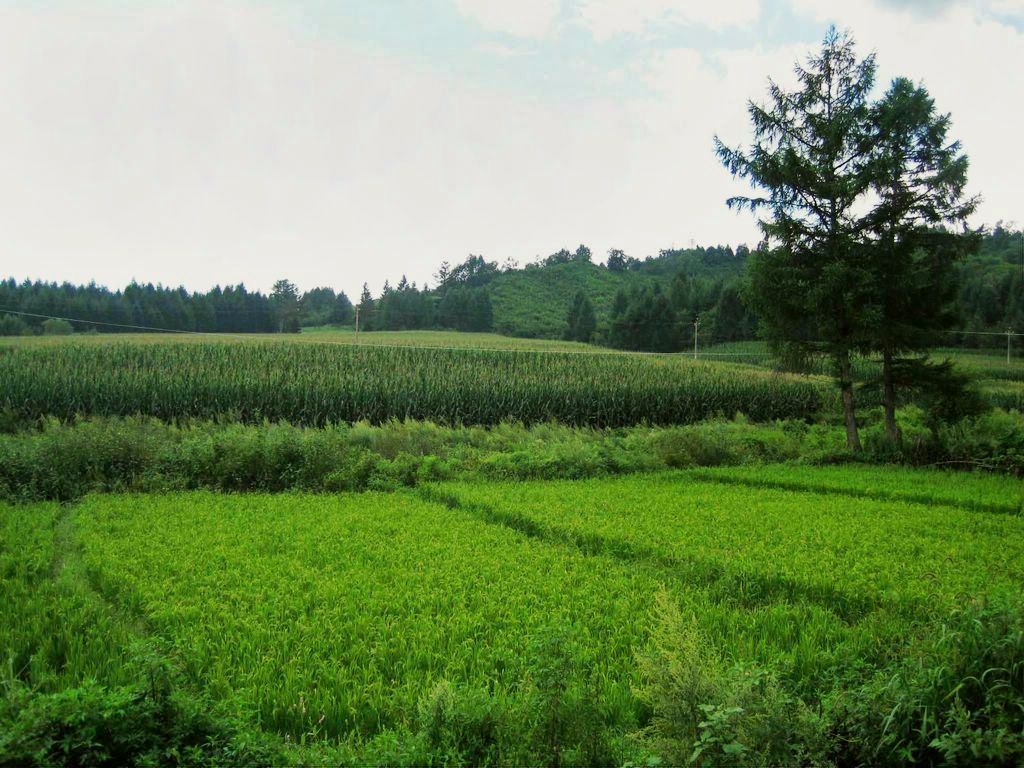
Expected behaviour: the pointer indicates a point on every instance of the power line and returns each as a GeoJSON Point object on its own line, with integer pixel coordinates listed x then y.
{"type": "Point", "coordinates": [260, 336]}
{"type": "Point", "coordinates": [986, 333]}
{"type": "Point", "coordinates": [99, 322]}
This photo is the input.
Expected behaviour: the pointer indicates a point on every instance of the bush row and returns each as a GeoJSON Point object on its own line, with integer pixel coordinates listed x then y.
{"type": "Point", "coordinates": [62, 461]}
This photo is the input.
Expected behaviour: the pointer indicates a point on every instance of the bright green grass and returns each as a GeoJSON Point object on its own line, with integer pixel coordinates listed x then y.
{"type": "Point", "coordinates": [338, 615]}
{"type": "Point", "coordinates": [976, 490]}
{"type": "Point", "coordinates": [351, 608]}
{"type": "Point", "coordinates": [54, 632]}
{"type": "Point", "coordinates": [853, 554]}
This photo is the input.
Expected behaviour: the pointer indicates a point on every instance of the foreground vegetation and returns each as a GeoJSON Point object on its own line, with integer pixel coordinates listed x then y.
{"type": "Point", "coordinates": [738, 603]}
{"type": "Point", "coordinates": [590, 622]}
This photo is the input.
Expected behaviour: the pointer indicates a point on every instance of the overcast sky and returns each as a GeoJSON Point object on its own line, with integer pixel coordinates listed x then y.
{"type": "Point", "coordinates": [334, 142]}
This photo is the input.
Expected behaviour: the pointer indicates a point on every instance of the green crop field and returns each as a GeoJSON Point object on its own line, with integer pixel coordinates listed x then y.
{"type": "Point", "coordinates": [1000, 382]}
{"type": "Point", "coordinates": [322, 335]}
{"type": "Point", "coordinates": [935, 487]}
{"type": "Point", "coordinates": [315, 384]}
{"type": "Point", "coordinates": [467, 607]}
{"type": "Point", "coordinates": [340, 619]}
{"type": "Point", "coordinates": [782, 543]}
{"type": "Point", "coordinates": [356, 605]}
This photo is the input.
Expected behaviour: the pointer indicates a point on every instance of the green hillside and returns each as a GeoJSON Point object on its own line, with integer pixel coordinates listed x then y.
{"type": "Point", "coordinates": [533, 302]}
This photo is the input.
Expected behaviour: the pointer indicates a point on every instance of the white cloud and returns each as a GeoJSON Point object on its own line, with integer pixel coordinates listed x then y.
{"type": "Point", "coordinates": [824, 10]}
{"type": "Point", "coordinates": [1008, 7]}
{"type": "Point", "coordinates": [198, 144]}
{"type": "Point", "coordinates": [522, 18]}
{"type": "Point", "coordinates": [502, 51]}
{"type": "Point", "coordinates": [608, 18]}
{"type": "Point", "coordinates": [693, 98]}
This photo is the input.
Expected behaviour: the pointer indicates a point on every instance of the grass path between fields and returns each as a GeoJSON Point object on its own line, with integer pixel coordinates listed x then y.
{"type": "Point", "coordinates": [747, 590]}
{"type": "Point", "coordinates": [729, 476]}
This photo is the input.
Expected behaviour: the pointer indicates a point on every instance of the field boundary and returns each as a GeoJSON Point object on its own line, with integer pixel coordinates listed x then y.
{"type": "Point", "coordinates": [747, 590]}
{"type": "Point", "coordinates": [798, 486]}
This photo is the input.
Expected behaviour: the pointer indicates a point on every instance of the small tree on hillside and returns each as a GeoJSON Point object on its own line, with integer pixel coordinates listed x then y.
{"type": "Point", "coordinates": [285, 300]}
{"type": "Point", "coordinates": [342, 313]}
{"type": "Point", "coordinates": [616, 260]}
{"type": "Point", "coordinates": [365, 315]}
{"type": "Point", "coordinates": [645, 320]}
{"type": "Point", "coordinates": [582, 255]}
{"type": "Point", "coordinates": [580, 321]}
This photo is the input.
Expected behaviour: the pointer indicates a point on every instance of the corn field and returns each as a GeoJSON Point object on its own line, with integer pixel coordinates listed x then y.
{"type": "Point", "coordinates": [316, 384]}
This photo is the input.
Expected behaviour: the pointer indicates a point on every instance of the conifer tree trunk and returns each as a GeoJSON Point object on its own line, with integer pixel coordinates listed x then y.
{"type": "Point", "coordinates": [846, 388]}
{"type": "Point", "coordinates": [892, 430]}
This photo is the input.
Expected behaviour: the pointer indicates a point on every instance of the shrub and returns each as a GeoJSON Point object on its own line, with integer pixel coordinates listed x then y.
{"type": "Point", "coordinates": [57, 327]}
{"type": "Point", "coordinates": [565, 726]}
{"type": "Point", "coordinates": [708, 714]}
{"type": "Point", "coordinates": [460, 727]}
{"type": "Point", "coordinates": [12, 326]}
{"type": "Point", "coordinates": [720, 443]}
{"type": "Point", "coordinates": [994, 440]}
{"type": "Point", "coordinates": [147, 724]}
{"type": "Point", "coordinates": [956, 699]}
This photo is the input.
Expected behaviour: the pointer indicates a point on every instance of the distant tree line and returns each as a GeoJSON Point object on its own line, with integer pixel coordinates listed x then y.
{"type": "Point", "coordinates": [655, 311]}
{"type": "Point", "coordinates": [991, 293]}
{"type": "Point", "coordinates": [228, 309]}
{"type": "Point", "coordinates": [655, 319]}
{"type": "Point", "coordinates": [231, 309]}
{"type": "Point", "coordinates": [702, 284]}
{"type": "Point", "coordinates": [460, 302]}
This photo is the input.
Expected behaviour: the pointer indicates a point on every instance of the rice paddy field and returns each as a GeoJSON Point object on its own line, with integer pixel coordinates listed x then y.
{"type": "Point", "coordinates": [332, 621]}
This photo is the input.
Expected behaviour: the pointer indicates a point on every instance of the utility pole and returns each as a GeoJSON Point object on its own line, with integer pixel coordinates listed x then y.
{"type": "Point", "coordinates": [696, 325]}
{"type": "Point", "coordinates": [357, 323]}
{"type": "Point", "coordinates": [1009, 335]}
